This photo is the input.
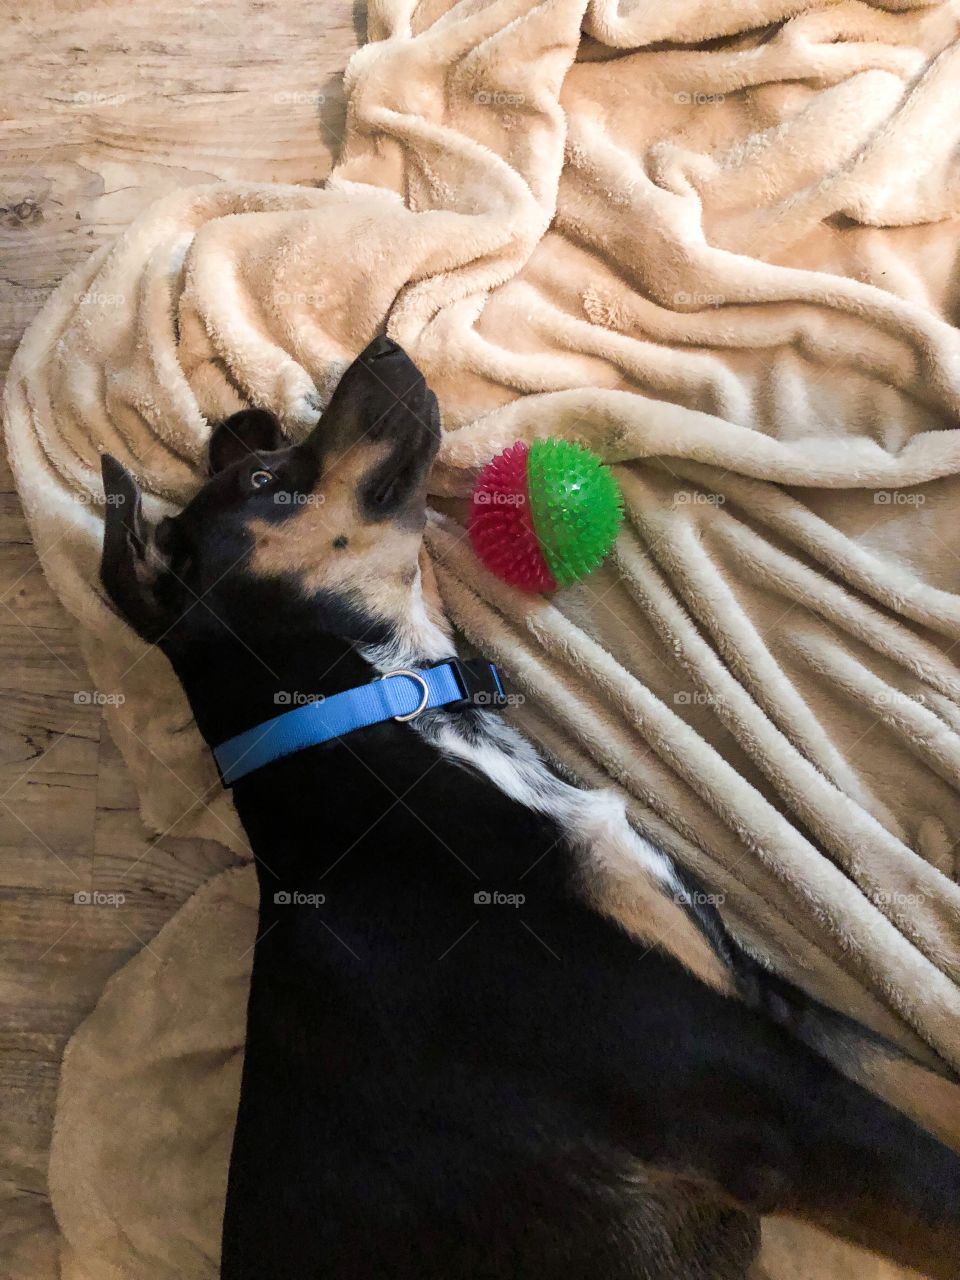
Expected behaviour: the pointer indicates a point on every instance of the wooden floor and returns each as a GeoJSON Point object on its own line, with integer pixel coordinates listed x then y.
{"type": "Point", "coordinates": [105, 107]}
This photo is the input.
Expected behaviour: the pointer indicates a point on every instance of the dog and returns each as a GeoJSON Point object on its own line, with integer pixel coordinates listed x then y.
{"type": "Point", "coordinates": [492, 1032]}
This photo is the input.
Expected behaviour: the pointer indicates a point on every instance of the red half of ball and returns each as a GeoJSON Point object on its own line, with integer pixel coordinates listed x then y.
{"type": "Point", "coordinates": [501, 523]}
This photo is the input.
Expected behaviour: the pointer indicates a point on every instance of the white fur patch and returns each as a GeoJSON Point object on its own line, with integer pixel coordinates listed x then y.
{"type": "Point", "coordinates": [595, 821]}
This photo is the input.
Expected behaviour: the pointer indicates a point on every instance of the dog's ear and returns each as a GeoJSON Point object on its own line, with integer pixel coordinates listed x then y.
{"type": "Point", "coordinates": [249, 431]}
{"type": "Point", "coordinates": [133, 560]}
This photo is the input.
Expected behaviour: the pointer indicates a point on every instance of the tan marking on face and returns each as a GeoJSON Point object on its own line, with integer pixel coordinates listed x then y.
{"type": "Point", "coordinates": [378, 566]}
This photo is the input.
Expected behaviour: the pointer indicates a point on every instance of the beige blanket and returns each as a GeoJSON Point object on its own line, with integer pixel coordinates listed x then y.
{"type": "Point", "coordinates": [717, 243]}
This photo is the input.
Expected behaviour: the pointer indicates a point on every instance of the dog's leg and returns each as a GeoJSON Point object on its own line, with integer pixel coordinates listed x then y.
{"type": "Point", "coordinates": [932, 1099]}
{"type": "Point", "coordinates": [784, 1133]}
{"type": "Point", "coordinates": [854, 1163]}
{"type": "Point", "coordinates": [871, 1176]}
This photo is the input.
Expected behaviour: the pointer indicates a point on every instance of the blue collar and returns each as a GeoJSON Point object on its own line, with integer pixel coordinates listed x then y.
{"type": "Point", "coordinates": [397, 695]}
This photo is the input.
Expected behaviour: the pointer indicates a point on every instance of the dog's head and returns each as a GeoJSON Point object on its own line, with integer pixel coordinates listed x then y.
{"type": "Point", "coordinates": [325, 533]}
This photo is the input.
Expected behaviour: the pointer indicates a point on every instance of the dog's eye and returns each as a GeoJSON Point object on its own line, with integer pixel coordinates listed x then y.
{"type": "Point", "coordinates": [259, 479]}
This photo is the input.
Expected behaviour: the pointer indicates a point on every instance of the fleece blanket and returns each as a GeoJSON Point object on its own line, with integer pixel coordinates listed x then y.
{"type": "Point", "coordinates": [717, 244]}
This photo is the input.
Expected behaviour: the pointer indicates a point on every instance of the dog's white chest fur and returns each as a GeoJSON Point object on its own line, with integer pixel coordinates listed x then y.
{"type": "Point", "coordinates": [623, 875]}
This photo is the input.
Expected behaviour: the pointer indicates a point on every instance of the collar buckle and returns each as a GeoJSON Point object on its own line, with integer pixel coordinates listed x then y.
{"type": "Point", "coordinates": [480, 682]}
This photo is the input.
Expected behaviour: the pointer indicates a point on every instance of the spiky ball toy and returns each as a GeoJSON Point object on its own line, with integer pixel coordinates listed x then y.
{"type": "Point", "coordinates": [544, 515]}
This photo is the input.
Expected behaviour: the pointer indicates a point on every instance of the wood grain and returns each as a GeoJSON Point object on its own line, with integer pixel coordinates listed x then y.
{"type": "Point", "coordinates": [109, 106]}
{"type": "Point", "coordinates": [104, 107]}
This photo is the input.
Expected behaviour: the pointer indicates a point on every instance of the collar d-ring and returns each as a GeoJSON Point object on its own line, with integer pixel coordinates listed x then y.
{"type": "Point", "coordinates": [424, 697]}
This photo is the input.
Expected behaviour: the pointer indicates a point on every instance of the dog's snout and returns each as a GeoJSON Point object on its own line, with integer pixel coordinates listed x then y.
{"type": "Point", "coordinates": [382, 347]}
{"type": "Point", "coordinates": [383, 395]}
{"type": "Point", "coordinates": [386, 371]}
{"type": "Point", "coordinates": [390, 366]}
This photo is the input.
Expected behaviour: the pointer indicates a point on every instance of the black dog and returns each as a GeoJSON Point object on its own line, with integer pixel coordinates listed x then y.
{"type": "Point", "coordinates": [492, 1032]}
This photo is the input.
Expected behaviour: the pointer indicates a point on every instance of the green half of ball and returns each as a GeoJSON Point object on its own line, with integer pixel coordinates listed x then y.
{"type": "Point", "coordinates": [576, 507]}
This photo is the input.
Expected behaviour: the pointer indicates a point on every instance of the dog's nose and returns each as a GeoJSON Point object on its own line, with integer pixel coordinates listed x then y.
{"type": "Point", "coordinates": [383, 393]}
{"type": "Point", "coordinates": [384, 364]}
{"type": "Point", "coordinates": [381, 347]}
